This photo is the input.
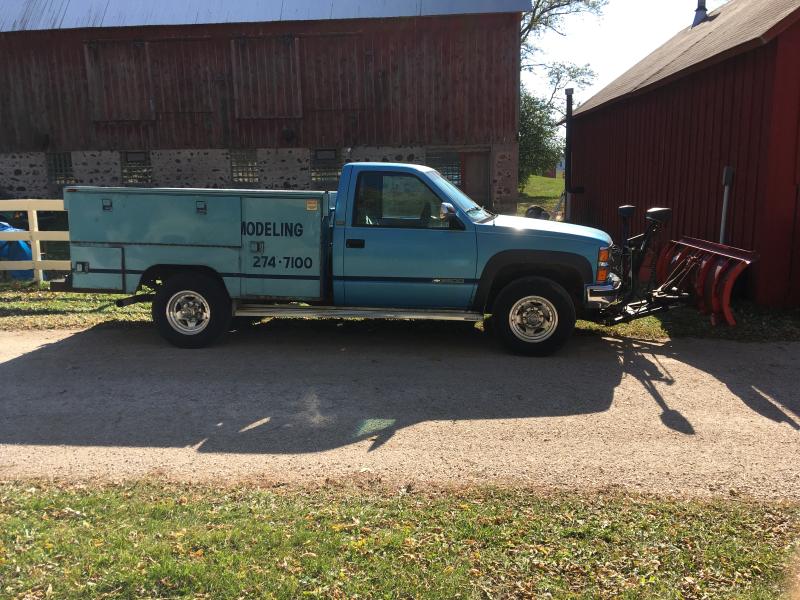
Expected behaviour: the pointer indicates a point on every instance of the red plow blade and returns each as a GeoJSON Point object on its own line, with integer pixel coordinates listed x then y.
{"type": "Point", "coordinates": [706, 271]}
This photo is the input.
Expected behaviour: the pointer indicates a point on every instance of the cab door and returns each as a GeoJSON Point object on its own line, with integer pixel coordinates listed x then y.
{"type": "Point", "coordinates": [399, 252]}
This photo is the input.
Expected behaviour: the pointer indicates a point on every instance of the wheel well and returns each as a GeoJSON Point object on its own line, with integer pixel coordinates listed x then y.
{"type": "Point", "coordinates": [160, 273]}
{"type": "Point", "coordinates": [569, 279]}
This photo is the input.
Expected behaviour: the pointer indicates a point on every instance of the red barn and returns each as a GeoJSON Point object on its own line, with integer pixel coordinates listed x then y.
{"type": "Point", "coordinates": [256, 93]}
{"type": "Point", "coordinates": [725, 92]}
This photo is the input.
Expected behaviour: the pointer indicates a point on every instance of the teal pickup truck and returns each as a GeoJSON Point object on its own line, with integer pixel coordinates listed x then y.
{"type": "Point", "coordinates": [396, 241]}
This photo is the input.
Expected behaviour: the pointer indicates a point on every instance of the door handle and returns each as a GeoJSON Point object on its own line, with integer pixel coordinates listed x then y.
{"type": "Point", "coordinates": [256, 246]}
{"type": "Point", "coordinates": [354, 243]}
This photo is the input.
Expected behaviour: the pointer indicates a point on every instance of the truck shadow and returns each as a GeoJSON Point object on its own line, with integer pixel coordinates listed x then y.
{"type": "Point", "coordinates": [309, 386]}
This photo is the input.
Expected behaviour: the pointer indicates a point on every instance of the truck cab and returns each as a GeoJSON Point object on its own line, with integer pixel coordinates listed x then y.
{"type": "Point", "coordinates": [394, 241]}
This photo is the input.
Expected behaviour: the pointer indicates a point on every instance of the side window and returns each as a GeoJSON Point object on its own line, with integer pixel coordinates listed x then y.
{"type": "Point", "coordinates": [396, 200]}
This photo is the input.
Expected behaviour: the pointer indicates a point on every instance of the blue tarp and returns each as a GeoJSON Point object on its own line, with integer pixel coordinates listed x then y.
{"type": "Point", "coordinates": [15, 251]}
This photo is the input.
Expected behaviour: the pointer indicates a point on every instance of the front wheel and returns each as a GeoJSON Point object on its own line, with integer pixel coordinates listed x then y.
{"type": "Point", "coordinates": [191, 310]}
{"type": "Point", "coordinates": [533, 316]}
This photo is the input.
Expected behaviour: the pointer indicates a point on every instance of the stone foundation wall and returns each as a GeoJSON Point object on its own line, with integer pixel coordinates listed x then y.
{"type": "Point", "coordinates": [23, 175]}
{"type": "Point", "coordinates": [191, 168]}
{"type": "Point", "coordinates": [504, 177]}
{"type": "Point", "coordinates": [285, 168]}
{"type": "Point", "coordinates": [406, 154]}
{"type": "Point", "coordinates": [97, 168]}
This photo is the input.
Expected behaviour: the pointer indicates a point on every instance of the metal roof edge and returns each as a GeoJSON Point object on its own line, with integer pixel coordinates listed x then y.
{"type": "Point", "coordinates": [53, 15]}
{"type": "Point", "coordinates": [221, 24]}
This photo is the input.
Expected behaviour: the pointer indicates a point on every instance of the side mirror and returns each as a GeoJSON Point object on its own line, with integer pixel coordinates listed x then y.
{"type": "Point", "coordinates": [447, 213]}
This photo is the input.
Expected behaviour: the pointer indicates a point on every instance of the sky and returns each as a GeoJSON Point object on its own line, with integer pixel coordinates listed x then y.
{"type": "Point", "coordinates": [626, 32]}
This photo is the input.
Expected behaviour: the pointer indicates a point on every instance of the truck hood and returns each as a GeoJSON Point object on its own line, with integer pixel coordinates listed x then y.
{"type": "Point", "coordinates": [504, 223]}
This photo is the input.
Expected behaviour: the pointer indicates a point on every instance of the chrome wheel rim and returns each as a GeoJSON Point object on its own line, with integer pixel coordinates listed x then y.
{"type": "Point", "coordinates": [188, 312]}
{"type": "Point", "coordinates": [533, 319]}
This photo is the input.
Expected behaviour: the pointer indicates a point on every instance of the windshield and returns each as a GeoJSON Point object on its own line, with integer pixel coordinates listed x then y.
{"type": "Point", "coordinates": [475, 212]}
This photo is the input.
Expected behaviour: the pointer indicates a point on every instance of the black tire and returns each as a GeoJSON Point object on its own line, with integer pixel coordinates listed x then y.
{"type": "Point", "coordinates": [552, 316]}
{"type": "Point", "coordinates": [210, 291]}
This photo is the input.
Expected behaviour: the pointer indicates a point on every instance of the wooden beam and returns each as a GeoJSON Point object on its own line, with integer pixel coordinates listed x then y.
{"type": "Point", "coordinates": [39, 265]}
{"type": "Point", "coordinates": [47, 205]}
{"type": "Point", "coordinates": [42, 236]}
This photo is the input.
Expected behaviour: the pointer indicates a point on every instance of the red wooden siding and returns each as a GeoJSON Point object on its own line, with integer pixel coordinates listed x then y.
{"type": "Point", "coordinates": [668, 147]}
{"type": "Point", "coordinates": [184, 74]}
{"type": "Point", "coordinates": [779, 224]}
{"type": "Point", "coordinates": [119, 83]}
{"type": "Point", "coordinates": [266, 78]}
{"type": "Point", "coordinates": [432, 80]}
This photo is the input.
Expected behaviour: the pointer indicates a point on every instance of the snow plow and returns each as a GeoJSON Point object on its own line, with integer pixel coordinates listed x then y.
{"type": "Point", "coordinates": [686, 271]}
{"type": "Point", "coordinates": [707, 271]}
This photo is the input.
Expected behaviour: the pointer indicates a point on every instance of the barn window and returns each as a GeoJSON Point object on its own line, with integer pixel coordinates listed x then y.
{"type": "Point", "coordinates": [244, 166]}
{"type": "Point", "coordinates": [59, 168]}
{"type": "Point", "coordinates": [448, 164]}
{"type": "Point", "coordinates": [136, 168]}
{"type": "Point", "coordinates": [326, 168]}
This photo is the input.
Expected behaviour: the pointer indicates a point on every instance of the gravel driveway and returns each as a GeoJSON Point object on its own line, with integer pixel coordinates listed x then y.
{"type": "Point", "coordinates": [396, 402]}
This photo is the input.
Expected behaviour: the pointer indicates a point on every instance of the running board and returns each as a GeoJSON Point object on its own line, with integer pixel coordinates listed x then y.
{"type": "Point", "coordinates": [335, 312]}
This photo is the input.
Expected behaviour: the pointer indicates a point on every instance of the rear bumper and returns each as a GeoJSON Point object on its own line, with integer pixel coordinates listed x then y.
{"type": "Point", "coordinates": [601, 296]}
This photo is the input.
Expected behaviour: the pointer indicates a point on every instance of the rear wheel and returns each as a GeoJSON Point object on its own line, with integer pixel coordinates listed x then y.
{"type": "Point", "coordinates": [533, 316]}
{"type": "Point", "coordinates": [192, 310]}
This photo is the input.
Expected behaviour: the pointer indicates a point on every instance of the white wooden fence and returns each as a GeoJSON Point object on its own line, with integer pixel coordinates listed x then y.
{"type": "Point", "coordinates": [34, 237]}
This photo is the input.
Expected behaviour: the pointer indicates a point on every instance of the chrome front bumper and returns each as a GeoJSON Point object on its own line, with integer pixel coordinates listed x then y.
{"type": "Point", "coordinates": [600, 296]}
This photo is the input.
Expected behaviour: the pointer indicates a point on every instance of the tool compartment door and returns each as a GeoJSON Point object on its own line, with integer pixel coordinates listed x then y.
{"type": "Point", "coordinates": [100, 268]}
{"type": "Point", "coordinates": [164, 217]}
{"type": "Point", "coordinates": [281, 247]}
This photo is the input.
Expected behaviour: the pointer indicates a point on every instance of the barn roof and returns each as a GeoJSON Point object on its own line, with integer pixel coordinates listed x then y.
{"type": "Point", "coordinates": [735, 27]}
{"type": "Point", "coordinates": [29, 15]}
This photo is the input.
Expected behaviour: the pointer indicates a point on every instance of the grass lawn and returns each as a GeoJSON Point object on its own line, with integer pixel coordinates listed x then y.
{"type": "Point", "coordinates": [31, 307]}
{"type": "Point", "coordinates": [146, 541]}
{"type": "Point", "coordinates": [541, 191]}
{"type": "Point", "coordinates": [28, 306]}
